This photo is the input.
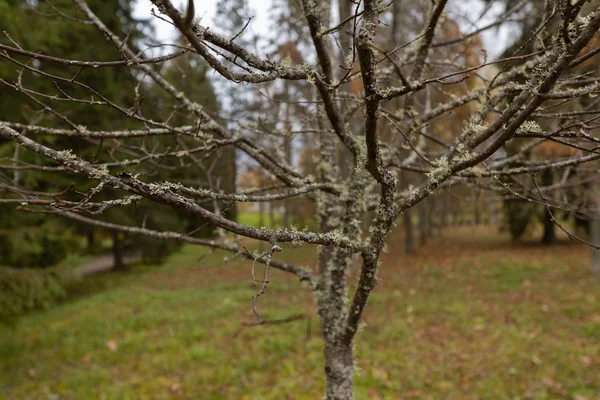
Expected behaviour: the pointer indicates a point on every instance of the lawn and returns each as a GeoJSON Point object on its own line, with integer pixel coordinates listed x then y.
{"type": "Point", "coordinates": [471, 316]}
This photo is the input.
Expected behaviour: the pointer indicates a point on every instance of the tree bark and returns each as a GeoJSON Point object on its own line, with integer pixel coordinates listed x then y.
{"type": "Point", "coordinates": [339, 371]}
{"type": "Point", "coordinates": [331, 296]}
{"type": "Point", "coordinates": [549, 233]}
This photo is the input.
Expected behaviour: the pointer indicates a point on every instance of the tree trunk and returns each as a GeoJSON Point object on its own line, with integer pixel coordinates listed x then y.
{"type": "Point", "coordinates": [456, 217]}
{"type": "Point", "coordinates": [431, 221]}
{"type": "Point", "coordinates": [423, 223]}
{"type": "Point", "coordinates": [462, 216]}
{"type": "Point", "coordinates": [500, 218]}
{"type": "Point", "coordinates": [595, 239]}
{"type": "Point", "coordinates": [444, 214]}
{"type": "Point", "coordinates": [595, 229]}
{"type": "Point", "coordinates": [492, 218]}
{"type": "Point", "coordinates": [549, 232]}
{"type": "Point", "coordinates": [339, 371]}
{"type": "Point", "coordinates": [272, 215]}
{"type": "Point", "coordinates": [331, 305]}
{"type": "Point", "coordinates": [91, 240]}
{"type": "Point", "coordinates": [286, 213]}
{"type": "Point", "coordinates": [409, 240]}
{"type": "Point", "coordinates": [475, 218]}
{"type": "Point", "coordinates": [117, 250]}
{"type": "Point", "coordinates": [261, 222]}
{"type": "Point", "coordinates": [287, 144]}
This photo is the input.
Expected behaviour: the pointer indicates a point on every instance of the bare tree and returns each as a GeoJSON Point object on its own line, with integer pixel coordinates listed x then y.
{"type": "Point", "coordinates": [377, 142]}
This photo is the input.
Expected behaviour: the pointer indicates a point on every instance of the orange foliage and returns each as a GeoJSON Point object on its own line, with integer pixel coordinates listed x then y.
{"type": "Point", "coordinates": [255, 178]}
{"type": "Point", "coordinates": [356, 85]}
{"type": "Point", "coordinates": [470, 50]}
{"type": "Point", "coordinates": [552, 149]}
{"type": "Point", "coordinates": [468, 53]}
{"type": "Point", "coordinates": [289, 49]}
{"type": "Point", "coordinates": [590, 63]}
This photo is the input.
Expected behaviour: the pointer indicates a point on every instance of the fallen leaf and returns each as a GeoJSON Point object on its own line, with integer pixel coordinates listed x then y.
{"type": "Point", "coordinates": [112, 345]}
{"type": "Point", "coordinates": [176, 387]}
{"type": "Point", "coordinates": [586, 360]}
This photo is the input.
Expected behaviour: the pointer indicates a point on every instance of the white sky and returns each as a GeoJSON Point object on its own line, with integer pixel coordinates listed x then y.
{"type": "Point", "coordinates": [494, 40]}
{"type": "Point", "coordinates": [205, 9]}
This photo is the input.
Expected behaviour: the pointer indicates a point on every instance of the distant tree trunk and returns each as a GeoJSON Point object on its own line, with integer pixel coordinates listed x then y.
{"type": "Point", "coordinates": [493, 220]}
{"type": "Point", "coordinates": [595, 229]}
{"type": "Point", "coordinates": [286, 214]}
{"type": "Point", "coordinates": [409, 240]}
{"type": "Point", "coordinates": [476, 217]}
{"type": "Point", "coordinates": [90, 240]}
{"type": "Point", "coordinates": [595, 239]}
{"type": "Point", "coordinates": [287, 144]}
{"type": "Point", "coordinates": [117, 251]}
{"type": "Point", "coordinates": [431, 222]}
{"type": "Point", "coordinates": [499, 216]}
{"type": "Point", "coordinates": [261, 221]}
{"type": "Point", "coordinates": [423, 223]}
{"type": "Point", "coordinates": [271, 215]}
{"type": "Point", "coordinates": [549, 232]}
{"type": "Point", "coordinates": [444, 214]}
{"type": "Point", "coordinates": [456, 215]}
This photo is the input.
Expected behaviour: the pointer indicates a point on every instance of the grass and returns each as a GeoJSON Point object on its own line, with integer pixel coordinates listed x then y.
{"type": "Point", "coordinates": [469, 317]}
{"type": "Point", "coordinates": [253, 219]}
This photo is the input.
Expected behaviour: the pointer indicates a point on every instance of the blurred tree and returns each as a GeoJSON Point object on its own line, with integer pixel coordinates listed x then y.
{"type": "Point", "coordinates": [32, 240]}
{"type": "Point", "coordinates": [537, 17]}
{"type": "Point", "coordinates": [61, 37]}
{"type": "Point", "coordinates": [213, 170]}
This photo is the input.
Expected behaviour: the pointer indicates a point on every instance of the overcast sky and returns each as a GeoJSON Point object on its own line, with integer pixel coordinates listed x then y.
{"type": "Point", "coordinates": [463, 11]}
{"type": "Point", "coordinates": [205, 9]}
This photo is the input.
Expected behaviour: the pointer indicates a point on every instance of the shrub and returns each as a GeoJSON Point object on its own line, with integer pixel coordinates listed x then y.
{"type": "Point", "coordinates": [26, 289]}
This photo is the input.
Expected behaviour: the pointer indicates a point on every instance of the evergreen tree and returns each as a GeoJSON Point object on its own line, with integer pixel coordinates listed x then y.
{"type": "Point", "coordinates": [36, 240]}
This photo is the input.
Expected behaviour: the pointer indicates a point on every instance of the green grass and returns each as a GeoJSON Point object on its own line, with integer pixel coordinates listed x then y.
{"type": "Point", "coordinates": [472, 319]}
{"type": "Point", "coordinates": [253, 219]}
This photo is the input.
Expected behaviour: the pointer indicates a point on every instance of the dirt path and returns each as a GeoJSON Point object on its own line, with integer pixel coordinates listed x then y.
{"type": "Point", "coordinates": [103, 263]}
